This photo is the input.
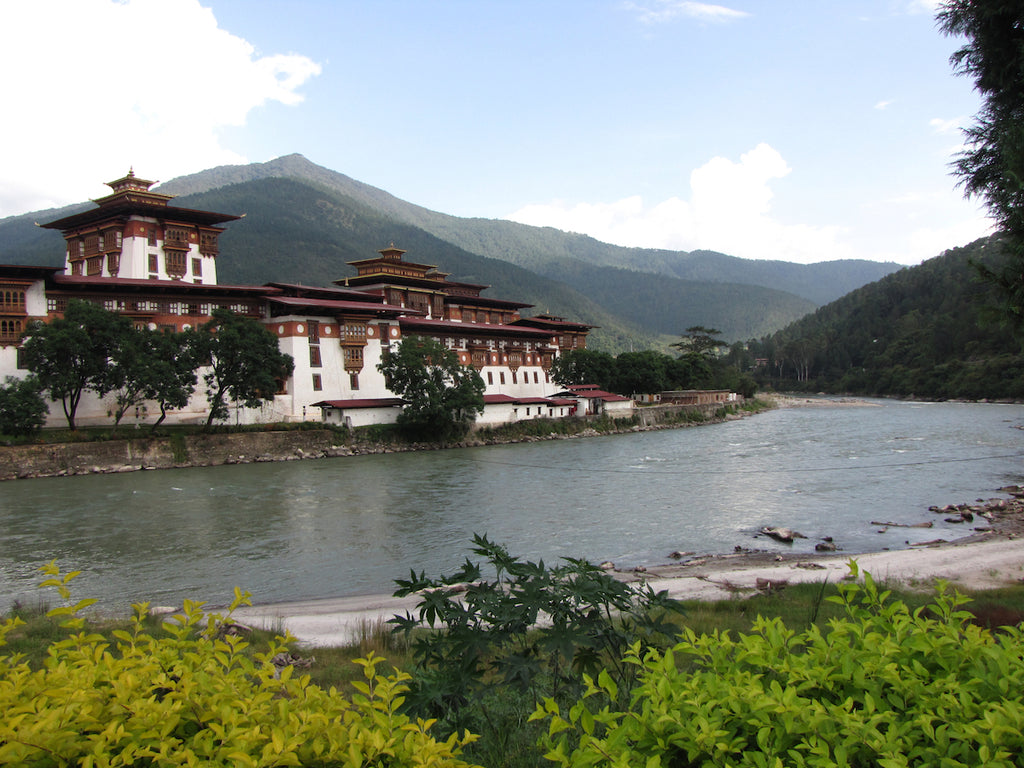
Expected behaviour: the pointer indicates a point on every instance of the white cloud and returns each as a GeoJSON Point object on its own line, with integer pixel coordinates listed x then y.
{"type": "Point", "coordinates": [99, 86]}
{"type": "Point", "coordinates": [929, 7]}
{"type": "Point", "coordinates": [941, 126]}
{"type": "Point", "coordinates": [884, 104]}
{"type": "Point", "coordinates": [659, 11]}
{"type": "Point", "coordinates": [729, 210]}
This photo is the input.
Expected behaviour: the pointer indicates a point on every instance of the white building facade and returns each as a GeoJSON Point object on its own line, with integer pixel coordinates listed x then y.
{"type": "Point", "coordinates": [137, 255]}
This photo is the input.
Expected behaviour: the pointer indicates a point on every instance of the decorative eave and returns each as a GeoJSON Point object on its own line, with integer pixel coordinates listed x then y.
{"type": "Point", "coordinates": [335, 306]}
{"type": "Point", "coordinates": [383, 402]}
{"type": "Point", "coordinates": [127, 285]}
{"type": "Point", "coordinates": [423, 325]}
{"type": "Point", "coordinates": [553, 325]}
{"type": "Point", "coordinates": [320, 292]}
{"type": "Point", "coordinates": [124, 208]}
{"type": "Point", "coordinates": [383, 280]}
{"type": "Point", "coordinates": [484, 301]}
{"type": "Point", "coordinates": [27, 272]}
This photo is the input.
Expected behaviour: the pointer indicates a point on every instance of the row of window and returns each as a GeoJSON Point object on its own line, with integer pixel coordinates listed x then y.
{"type": "Point", "coordinates": [204, 309]}
{"type": "Point", "coordinates": [110, 240]}
{"type": "Point", "coordinates": [515, 377]}
{"type": "Point", "coordinates": [12, 298]}
{"type": "Point", "coordinates": [318, 382]}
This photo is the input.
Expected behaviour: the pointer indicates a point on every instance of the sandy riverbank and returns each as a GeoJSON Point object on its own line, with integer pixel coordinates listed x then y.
{"type": "Point", "coordinates": [984, 562]}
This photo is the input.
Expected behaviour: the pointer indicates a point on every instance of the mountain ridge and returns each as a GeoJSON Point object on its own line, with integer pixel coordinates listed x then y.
{"type": "Point", "coordinates": [307, 221]}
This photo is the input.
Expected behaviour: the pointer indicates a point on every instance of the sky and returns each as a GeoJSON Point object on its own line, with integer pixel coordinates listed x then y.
{"type": "Point", "coordinates": [797, 130]}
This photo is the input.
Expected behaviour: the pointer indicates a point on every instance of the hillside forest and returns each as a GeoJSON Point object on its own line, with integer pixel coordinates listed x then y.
{"type": "Point", "coordinates": [934, 331]}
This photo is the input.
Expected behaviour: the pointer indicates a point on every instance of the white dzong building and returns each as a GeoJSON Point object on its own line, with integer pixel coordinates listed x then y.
{"type": "Point", "coordinates": [137, 255]}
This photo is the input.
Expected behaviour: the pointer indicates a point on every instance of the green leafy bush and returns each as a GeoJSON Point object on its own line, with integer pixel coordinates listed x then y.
{"type": "Point", "coordinates": [22, 408]}
{"type": "Point", "coordinates": [491, 640]}
{"type": "Point", "coordinates": [195, 696]}
{"type": "Point", "coordinates": [882, 686]}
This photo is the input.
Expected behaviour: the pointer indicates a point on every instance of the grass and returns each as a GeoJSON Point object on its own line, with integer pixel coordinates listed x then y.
{"type": "Point", "coordinates": [798, 605]}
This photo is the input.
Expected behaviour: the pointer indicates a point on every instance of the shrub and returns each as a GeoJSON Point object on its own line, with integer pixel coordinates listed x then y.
{"type": "Point", "coordinates": [488, 648]}
{"type": "Point", "coordinates": [882, 686]}
{"type": "Point", "coordinates": [196, 696]}
{"type": "Point", "coordinates": [22, 408]}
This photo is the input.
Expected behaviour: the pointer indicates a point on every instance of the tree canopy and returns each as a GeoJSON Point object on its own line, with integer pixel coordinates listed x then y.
{"type": "Point", "coordinates": [71, 355]}
{"type": "Point", "coordinates": [443, 396]}
{"type": "Point", "coordinates": [992, 165]}
{"type": "Point", "coordinates": [22, 408]}
{"type": "Point", "coordinates": [245, 363]}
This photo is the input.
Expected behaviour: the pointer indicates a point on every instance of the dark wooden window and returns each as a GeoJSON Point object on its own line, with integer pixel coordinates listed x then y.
{"type": "Point", "coordinates": [10, 330]}
{"type": "Point", "coordinates": [12, 298]}
{"type": "Point", "coordinates": [175, 263]}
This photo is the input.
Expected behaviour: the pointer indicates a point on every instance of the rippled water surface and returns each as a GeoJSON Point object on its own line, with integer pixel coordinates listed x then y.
{"type": "Point", "coordinates": [350, 526]}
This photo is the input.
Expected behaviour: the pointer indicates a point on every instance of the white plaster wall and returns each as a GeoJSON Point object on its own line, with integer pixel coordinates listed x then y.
{"type": "Point", "coordinates": [35, 300]}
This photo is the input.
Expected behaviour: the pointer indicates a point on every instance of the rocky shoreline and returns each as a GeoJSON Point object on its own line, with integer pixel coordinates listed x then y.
{"type": "Point", "coordinates": [988, 558]}
{"type": "Point", "coordinates": [998, 518]}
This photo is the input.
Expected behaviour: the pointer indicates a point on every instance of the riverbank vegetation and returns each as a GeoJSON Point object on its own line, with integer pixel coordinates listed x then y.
{"type": "Point", "coordinates": [856, 674]}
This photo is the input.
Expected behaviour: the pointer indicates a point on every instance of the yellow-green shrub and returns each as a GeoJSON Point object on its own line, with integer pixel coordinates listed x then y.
{"type": "Point", "coordinates": [194, 697]}
{"type": "Point", "coordinates": [883, 686]}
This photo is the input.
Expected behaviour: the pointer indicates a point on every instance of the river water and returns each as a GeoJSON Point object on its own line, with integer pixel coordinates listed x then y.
{"type": "Point", "coordinates": [350, 526]}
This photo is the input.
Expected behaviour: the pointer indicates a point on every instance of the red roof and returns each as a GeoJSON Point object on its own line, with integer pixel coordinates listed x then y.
{"type": "Point", "coordinates": [591, 391]}
{"type": "Point", "coordinates": [336, 304]}
{"type": "Point", "coordinates": [509, 400]}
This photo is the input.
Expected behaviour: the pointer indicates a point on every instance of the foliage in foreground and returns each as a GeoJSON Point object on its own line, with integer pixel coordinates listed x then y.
{"type": "Point", "coordinates": [492, 639]}
{"type": "Point", "coordinates": [883, 686]}
{"type": "Point", "coordinates": [195, 696]}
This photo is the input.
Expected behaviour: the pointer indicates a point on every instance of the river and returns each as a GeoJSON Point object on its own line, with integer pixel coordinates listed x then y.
{"type": "Point", "coordinates": [350, 526]}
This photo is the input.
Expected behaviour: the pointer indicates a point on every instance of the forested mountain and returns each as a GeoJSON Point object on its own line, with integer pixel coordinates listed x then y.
{"type": "Point", "coordinates": [539, 248]}
{"type": "Point", "coordinates": [931, 331]}
{"type": "Point", "coordinates": [303, 222]}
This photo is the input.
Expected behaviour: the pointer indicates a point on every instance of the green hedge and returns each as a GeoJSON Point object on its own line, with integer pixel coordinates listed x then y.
{"type": "Point", "coordinates": [196, 696]}
{"type": "Point", "coordinates": [883, 686]}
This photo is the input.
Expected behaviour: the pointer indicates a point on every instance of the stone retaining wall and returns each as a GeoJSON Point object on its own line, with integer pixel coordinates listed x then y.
{"type": "Point", "coordinates": [25, 461]}
{"type": "Point", "coordinates": [109, 456]}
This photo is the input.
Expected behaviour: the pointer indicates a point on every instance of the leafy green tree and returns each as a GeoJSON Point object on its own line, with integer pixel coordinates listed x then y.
{"type": "Point", "coordinates": [153, 365]}
{"type": "Point", "coordinates": [642, 372]}
{"type": "Point", "coordinates": [172, 373]}
{"type": "Point", "coordinates": [244, 365]}
{"type": "Point", "coordinates": [583, 366]}
{"type": "Point", "coordinates": [443, 396]}
{"type": "Point", "coordinates": [690, 371]}
{"type": "Point", "coordinates": [22, 408]}
{"type": "Point", "coordinates": [128, 371]}
{"type": "Point", "coordinates": [992, 165]}
{"type": "Point", "coordinates": [701, 341]}
{"type": "Point", "coordinates": [71, 355]}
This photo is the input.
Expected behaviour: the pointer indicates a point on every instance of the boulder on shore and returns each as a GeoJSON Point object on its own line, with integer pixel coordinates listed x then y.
{"type": "Point", "coordinates": [785, 535]}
